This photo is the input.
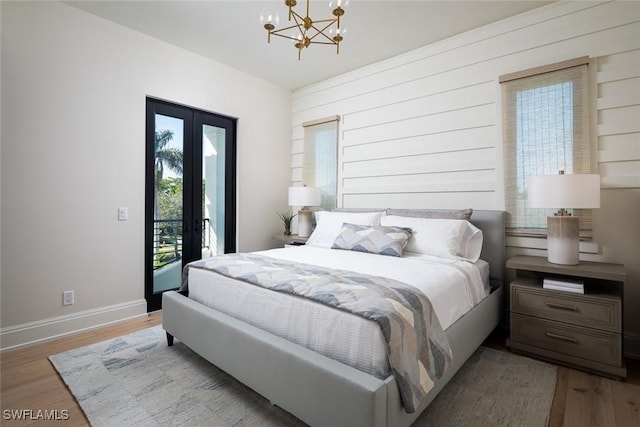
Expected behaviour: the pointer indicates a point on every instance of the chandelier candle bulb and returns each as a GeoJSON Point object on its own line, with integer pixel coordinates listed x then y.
{"type": "Point", "coordinates": [338, 5]}
{"type": "Point", "coordinates": [269, 19]}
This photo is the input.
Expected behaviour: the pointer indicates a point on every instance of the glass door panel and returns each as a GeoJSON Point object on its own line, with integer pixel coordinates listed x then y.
{"type": "Point", "coordinates": [168, 203]}
{"type": "Point", "coordinates": [213, 190]}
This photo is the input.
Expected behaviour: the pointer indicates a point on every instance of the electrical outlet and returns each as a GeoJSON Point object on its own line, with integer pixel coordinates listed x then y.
{"type": "Point", "coordinates": [68, 298]}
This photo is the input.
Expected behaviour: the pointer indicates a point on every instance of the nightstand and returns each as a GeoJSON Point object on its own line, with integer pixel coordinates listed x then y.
{"type": "Point", "coordinates": [583, 331]}
{"type": "Point", "coordinates": [290, 240]}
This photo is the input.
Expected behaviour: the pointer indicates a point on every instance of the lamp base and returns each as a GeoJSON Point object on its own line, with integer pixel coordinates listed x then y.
{"type": "Point", "coordinates": [305, 223]}
{"type": "Point", "coordinates": [563, 238]}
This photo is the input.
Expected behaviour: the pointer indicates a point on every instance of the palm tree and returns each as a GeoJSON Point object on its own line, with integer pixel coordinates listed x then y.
{"type": "Point", "coordinates": [171, 156]}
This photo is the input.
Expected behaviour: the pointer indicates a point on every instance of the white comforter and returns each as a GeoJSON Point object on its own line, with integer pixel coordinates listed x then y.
{"type": "Point", "coordinates": [453, 287]}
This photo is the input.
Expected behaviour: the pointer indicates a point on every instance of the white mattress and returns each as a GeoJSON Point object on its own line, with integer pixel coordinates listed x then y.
{"type": "Point", "coordinates": [453, 287]}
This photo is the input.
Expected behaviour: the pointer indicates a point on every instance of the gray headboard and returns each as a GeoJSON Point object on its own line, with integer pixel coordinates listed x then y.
{"type": "Point", "coordinates": [492, 224]}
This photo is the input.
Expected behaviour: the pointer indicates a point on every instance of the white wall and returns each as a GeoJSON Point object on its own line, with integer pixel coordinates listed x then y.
{"type": "Point", "coordinates": [73, 151]}
{"type": "Point", "coordinates": [424, 129]}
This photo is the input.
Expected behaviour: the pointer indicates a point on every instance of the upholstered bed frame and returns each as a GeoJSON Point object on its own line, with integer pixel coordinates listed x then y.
{"type": "Point", "coordinates": [318, 390]}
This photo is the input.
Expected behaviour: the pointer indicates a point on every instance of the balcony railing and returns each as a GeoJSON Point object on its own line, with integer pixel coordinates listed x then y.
{"type": "Point", "coordinates": [167, 240]}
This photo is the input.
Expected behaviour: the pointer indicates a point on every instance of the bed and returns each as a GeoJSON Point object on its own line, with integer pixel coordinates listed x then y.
{"type": "Point", "coordinates": [318, 389]}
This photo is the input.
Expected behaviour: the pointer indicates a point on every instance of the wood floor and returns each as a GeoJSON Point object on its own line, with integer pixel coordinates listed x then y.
{"type": "Point", "coordinates": [29, 382]}
{"type": "Point", "coordinates": [585, 400]}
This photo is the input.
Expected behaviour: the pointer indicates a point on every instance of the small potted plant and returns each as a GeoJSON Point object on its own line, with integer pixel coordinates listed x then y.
{"type": "Point", "coordinates": [286, 218]}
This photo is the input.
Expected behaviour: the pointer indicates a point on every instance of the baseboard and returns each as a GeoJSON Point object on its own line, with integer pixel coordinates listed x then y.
{"type": "Point", "coordinates": [54, 327]}
{"type": "Point", "coordinates": [631, 345]}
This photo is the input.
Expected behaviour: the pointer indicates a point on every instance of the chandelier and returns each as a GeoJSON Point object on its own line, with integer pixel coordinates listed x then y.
{"type": "Point", "coordinates": [306, 31]}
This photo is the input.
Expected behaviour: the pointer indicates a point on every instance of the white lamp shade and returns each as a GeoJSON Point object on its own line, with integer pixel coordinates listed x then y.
{"type": "Point", "coordinates": [304, 196]}
{"type": "Point", "coordinates": [581, 191]}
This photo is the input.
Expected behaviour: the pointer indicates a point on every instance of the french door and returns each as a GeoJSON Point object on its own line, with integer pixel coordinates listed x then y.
{"type": "Point", "coordinates": [190, 205]}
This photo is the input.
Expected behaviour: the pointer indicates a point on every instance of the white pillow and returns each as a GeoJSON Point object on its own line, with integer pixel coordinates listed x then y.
{"type": "Point", "coordinates": [329, 224]}
{"type": "Point", "coordinates": [444, 238]}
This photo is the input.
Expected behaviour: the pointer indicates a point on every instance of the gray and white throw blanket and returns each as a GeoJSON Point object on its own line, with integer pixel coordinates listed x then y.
{"type": "Point", "coordinates": [417, 347]}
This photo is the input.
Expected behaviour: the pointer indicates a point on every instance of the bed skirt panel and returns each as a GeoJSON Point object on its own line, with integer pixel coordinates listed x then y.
{"type": "Point", "coordinates": [316, 389]}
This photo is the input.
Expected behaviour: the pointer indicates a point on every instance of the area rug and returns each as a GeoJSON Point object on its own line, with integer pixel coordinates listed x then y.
{"type": "Point", "coordinates": [137, 380]}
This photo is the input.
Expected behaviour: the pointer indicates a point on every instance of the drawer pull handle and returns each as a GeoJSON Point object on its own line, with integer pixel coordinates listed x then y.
{"type": "Point", "coordinates": [561, 337]}
{"type": "Point", "coordinates": [561, 306]}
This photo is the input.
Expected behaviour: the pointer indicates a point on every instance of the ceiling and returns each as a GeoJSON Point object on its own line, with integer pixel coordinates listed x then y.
{"type": "Point", "coordinates": [229, 32]}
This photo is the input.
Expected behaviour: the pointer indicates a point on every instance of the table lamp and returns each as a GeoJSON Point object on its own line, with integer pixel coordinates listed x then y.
{"type": "Point", "coordinates": [304, 197]}
{"type": "Point", "coordinates": [581, 191]}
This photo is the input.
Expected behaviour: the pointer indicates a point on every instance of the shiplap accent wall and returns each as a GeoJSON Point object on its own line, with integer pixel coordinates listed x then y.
{"type": "Point", "coordinates": [423, 129]}
{"type": "Point", "coordinates": [618, 118]}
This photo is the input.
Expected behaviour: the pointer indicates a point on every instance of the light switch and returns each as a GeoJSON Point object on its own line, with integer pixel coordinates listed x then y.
{"type": "Point", "coordinates": [123, 214]}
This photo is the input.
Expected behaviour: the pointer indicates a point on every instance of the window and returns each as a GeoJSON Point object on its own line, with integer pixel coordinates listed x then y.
{"type": "Point", "coordinates": [546, 130]}
{"type": "Point", "coordinates": [320, 159]}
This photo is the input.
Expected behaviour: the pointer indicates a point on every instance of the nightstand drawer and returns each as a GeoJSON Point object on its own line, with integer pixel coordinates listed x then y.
{"type": "Point", "coordinates": [597, 311]}
{"type": "Point", "coordinates": [602, 347]}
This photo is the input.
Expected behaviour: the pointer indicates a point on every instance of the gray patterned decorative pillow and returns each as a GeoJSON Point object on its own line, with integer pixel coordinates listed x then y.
{"type": "Point", "coordinates": [374, 239]}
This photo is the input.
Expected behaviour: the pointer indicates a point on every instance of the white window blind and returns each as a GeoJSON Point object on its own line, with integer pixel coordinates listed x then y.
{"type": "Point", "coordinates": [320, 159]}
{"type": "Point", "coordinates": [546, 129]}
